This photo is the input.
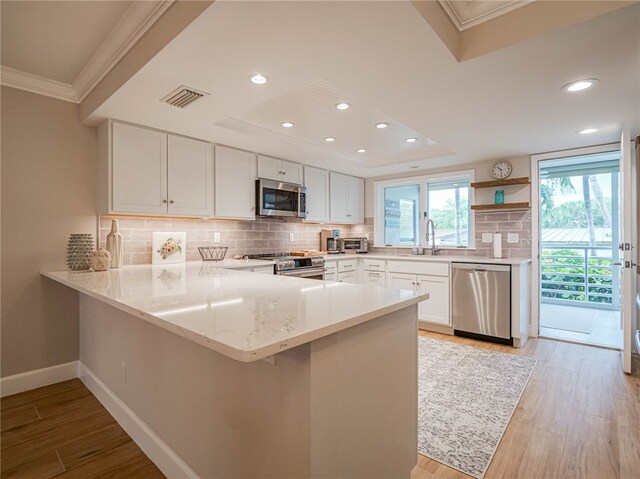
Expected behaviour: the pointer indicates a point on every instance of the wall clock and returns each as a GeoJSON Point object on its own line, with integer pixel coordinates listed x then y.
{"type": "Point", "coordinates": [501, 170]}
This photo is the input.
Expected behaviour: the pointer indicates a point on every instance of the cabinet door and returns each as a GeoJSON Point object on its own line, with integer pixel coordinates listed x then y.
{"type": "Point", "coordinates": [317, 183]}
{"type": "Point", "coordinates": [190, 170]}
{"type": "Point", "coordinates": [291, 172]}
{"type": "Point", "coordinates": [339, 185]}
{"type": "Point", "coordinates": [355, 206]}
{"type": "Point", "coordinates": [436, 308]}
{"type": "Point", "coordinates": [269, 168]}
{"type": "Point", "coordinates": [139, 170]}
{"type": "Point", "coordinates": [401, 281]}
{"type": "Point", "coordinates": [374, 278]}
{"type": "Point", "coordinates": [235, 183]}
{"type": "Point", "coordinates": [349, 277]}
{"type": "Point", "coordinates": [331, 276]}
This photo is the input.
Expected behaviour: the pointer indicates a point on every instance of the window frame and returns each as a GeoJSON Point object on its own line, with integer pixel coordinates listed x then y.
{"type": "Point", "coordinates": [421, 181]}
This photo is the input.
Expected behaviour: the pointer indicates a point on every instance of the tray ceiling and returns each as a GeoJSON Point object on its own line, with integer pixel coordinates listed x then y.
{"type": "Point", "coordinates": [469, 13]}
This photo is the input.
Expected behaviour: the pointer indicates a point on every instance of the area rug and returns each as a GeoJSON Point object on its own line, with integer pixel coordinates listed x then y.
{"type": "Point", "coordinates": [466, 397]}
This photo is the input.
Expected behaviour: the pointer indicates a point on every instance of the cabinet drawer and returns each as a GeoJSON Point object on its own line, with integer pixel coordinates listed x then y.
{"type": "Point", "coordinates": [374, 265]}
{"type": "Point", "coordinates": [331, 276]}
{"type": "Point", "coordinates": [347, 265]}
{"type": "Point", "coordinates": [374, 278]}
{"type": "Point", "coordinates": [419, 267]}
{"type": "Point", "coordinates": [331, 267]}
{"type": "Point", "coordinates": [348, 277]}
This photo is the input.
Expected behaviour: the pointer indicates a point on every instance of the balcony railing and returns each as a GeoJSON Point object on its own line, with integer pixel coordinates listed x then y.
{"type": "Point", "coordinates": [580, 276]}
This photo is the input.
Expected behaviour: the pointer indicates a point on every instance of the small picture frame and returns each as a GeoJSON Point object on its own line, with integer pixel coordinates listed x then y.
{"type": "Point", "coordinates": [169, 247]}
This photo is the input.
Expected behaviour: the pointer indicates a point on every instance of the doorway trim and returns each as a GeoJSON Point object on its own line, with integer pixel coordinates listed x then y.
{"type": "Point", "coordinates": [534, 329]}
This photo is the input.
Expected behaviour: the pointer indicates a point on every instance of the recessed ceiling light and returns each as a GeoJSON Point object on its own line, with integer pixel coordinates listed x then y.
{"type": "Point", "coordinates": [361, 150]}
{"type": "Point", "coordinates": [329, 139]}
{"type": "Point", "coordinates": [580, 85]}
{"type": "Point", "coordinates": [410, 140]}
{"type": "Point", "coordinates": [259, 79]}
{"type": "Point", "coordinates": [342, 106]}
{"type": "Point", "coordinates": [287, 124]}
{"type": "Point", "coordinates": [587, 131]}
{"type": "Point", "coordinates": [414, 167]}
{"type": "Point", "coordinates": [382, 125]}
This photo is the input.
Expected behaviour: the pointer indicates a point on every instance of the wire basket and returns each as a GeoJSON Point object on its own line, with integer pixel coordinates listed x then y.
{"type": "Point", "coordinates": [212, 253]}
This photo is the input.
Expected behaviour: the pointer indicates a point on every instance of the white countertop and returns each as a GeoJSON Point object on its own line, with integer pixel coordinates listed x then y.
{"type": "Point", "coordinates": [245, 316]}
{"type": "Point", "coordinates": [428, 257]}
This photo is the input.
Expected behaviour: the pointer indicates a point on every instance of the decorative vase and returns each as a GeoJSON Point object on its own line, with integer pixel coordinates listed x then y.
{"type": "Point", "coordinates": [114, 245]}
{"type": "Point", "coordinates": [100, 260]}
{"type": "Point", "coordinates": [79, 249]}
{"type": "Point", "coordinates": [499, 197]}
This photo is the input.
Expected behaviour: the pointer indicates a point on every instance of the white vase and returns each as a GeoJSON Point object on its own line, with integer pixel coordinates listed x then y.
{"type": "Point", "coordinates": [114, 245]}
{"type": "Point", "coordinates": [100, 260]}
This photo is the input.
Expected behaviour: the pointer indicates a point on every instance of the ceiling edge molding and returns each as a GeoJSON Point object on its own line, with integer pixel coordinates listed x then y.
{"type": "Point", "coordinates": [37, 84]}
{"type": "Point", "coordinates": [134, 23]}
{"type": "Point", "coordinates": [462, 25]}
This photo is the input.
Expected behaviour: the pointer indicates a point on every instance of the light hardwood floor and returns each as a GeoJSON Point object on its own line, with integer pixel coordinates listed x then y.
{"type": "Point", "coordinates": [62, 431]}
{"type": "Point", "coordinates": [579, 417]}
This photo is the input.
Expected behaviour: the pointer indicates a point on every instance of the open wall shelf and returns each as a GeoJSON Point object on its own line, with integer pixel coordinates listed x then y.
{"type": "Point", "coordinates": [504, 206]}
{"type": "Point", "coordinates": [498, 183]}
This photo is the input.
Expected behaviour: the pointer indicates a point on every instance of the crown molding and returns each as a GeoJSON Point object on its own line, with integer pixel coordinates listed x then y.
{"type": "Point", "coordinates": [461, 24]}
{"type": "Point", "coordinates": [37, 84]}
{"type": "Point", "coordinates": [134, 23]}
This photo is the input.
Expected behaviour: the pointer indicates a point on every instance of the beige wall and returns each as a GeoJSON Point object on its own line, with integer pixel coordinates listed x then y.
{"type": "Point", "coordinates": [48, 191]}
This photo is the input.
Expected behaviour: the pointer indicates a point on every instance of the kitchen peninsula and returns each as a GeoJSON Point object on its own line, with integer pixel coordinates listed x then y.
{"type": "Point", "coordinates": [189, 352]}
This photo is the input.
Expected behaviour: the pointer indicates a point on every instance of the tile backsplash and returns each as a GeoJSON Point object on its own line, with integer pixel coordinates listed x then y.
{"type": "Point", "coordinates": [271, 235]}
{"type": "Point", "coordinates": [241, 237]}
{"type": "Point", "coordinates": [502, 222]}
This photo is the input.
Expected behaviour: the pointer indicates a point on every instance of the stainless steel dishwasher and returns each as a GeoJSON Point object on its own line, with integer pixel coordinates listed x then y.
{"type": "Point", "coordinates": [481, 299]}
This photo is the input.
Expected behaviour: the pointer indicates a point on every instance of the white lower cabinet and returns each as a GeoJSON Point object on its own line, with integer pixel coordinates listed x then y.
{"type": "Point", "coordinates": [348, 271]}
{"type": "Point", "coordinates": [437, 308]}
{"type": "Point", "coordinates": [331, 273]}
{"type": "Point", "coordinates": [374, 278]}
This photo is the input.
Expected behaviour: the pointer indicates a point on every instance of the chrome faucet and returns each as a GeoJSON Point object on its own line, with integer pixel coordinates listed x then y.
{"type": "Point", "coordinates": [434, 247]}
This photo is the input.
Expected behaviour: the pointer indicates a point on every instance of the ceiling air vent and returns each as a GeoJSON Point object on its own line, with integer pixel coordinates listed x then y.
{"type": "Point", "coordinates": [183, 96]}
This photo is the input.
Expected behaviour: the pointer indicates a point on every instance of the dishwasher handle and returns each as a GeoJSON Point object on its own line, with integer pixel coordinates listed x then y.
{"type": "Point", "coordinates": [481, 267]}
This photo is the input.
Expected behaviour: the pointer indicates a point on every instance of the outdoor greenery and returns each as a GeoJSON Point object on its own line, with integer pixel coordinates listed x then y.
{"type": "Point", "coordinates": [563, 276]}
{"type": "Point", "coordinates": [445, 218]}
{"type": "Point", "coordinates": [573, 214]}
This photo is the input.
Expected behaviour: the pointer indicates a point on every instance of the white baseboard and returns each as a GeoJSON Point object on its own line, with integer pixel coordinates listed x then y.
{"type": "Point", "coordinates": [38, 378]}
{"type": "Point", "coordinates": [155, 448]}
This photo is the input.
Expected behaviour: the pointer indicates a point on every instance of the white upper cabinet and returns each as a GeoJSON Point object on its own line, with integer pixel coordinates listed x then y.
{"type": "Point", "coordinates": [190, 174]}
{"type": "Point", "coordinates": [356, 200]}
{"type": "Point", "coordinates": [317, 183]}
{"type": "Point", "coordinates": [347, 198]}
{"type": "Point", "coordinates": [279, 170]}
{"type": "Point", "coordinates": [139, 170]}
{"type": "Point", "coordinates": [145, 171]}
{"type": "Point", "coordinates": [235, 183]}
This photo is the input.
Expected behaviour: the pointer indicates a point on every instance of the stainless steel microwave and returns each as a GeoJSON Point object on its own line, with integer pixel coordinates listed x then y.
{"type": "Point", "coordinates": [275, 198]}
{"type": "Point", "coordinates": [353, 245]}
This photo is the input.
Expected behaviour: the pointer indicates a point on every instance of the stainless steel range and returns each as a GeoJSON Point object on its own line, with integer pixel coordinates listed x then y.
{"type": "Point", "coordinates": [311, 267]}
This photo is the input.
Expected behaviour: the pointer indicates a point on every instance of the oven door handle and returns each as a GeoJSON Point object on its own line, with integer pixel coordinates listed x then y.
{"type": "Point", "coordinates": [303, 274]}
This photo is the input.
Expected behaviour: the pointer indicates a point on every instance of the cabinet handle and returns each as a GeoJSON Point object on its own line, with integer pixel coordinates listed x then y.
{"type": "Point", "coordinates": [171, 201]}
{"type": "Point", "coordinates": [284, 172]}
{"type": "Point", "coordinates": [413, 283]}
{"type": "Point", "coordinates": [164, 202]}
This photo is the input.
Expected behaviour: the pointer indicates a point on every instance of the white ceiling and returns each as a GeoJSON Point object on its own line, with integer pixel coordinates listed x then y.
{"type": "Point", "coordinates": [386, 58]}
{"type": "Point", "coordinates": [55, 39]}
{"type": "Point", "coordinates": [469, 13]}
